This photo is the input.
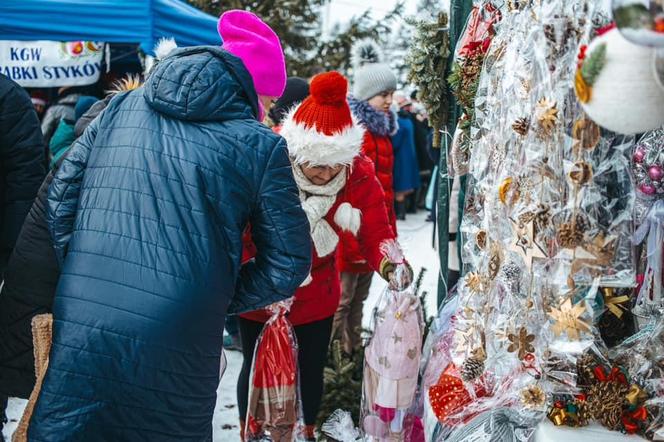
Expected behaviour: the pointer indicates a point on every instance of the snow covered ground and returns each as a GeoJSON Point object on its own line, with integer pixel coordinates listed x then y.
{"type": "Point", "coordinates": [415, 237]}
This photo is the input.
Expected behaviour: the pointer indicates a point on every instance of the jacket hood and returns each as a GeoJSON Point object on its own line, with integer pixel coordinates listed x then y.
{"type": "Point", "coordinates": [378, 123]}
{"type": "Point", "coordinates": [202, 83]}
{"type": "Point", "coordinates": [70, 99]}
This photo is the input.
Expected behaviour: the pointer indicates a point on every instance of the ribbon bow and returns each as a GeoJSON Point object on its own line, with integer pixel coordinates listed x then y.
{"type": "Point", "coordinates": [631, 419]}
{"type": "Point", "coordinates": [614, 303]}
{"type": "Point", "coordinates": [614, 375]}
{"type": "Point", "coordinates": [653, 227]}
{"type": "Point", "coordinates": [481, 45]}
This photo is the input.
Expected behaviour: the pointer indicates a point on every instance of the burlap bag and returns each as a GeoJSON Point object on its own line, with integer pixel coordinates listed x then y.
{"type": "Point", "coordinates": [42, 334]}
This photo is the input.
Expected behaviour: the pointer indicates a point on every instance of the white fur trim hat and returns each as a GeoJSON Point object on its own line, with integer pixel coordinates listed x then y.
{"type": "Point", "coordinates": [322, 131]}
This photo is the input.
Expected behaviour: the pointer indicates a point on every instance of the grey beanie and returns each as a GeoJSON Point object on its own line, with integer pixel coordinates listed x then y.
{"type": "Point", "coordinates": [370, 75]}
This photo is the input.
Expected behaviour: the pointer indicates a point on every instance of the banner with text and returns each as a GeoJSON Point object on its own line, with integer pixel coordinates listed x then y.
{"type": "Point", "coordinates": [50, 63]}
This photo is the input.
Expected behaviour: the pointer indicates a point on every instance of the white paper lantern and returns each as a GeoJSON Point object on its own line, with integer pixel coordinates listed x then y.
{"type": "Point", "coordinates": [626, 97]}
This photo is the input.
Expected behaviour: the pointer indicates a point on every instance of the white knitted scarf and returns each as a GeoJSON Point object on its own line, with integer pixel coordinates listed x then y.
{"type": "Point", "coordinates": [317, 202]}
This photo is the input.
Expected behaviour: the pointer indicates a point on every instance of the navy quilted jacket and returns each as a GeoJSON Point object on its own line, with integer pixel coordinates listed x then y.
{"type": "Point", "coordinates": [147, 214]}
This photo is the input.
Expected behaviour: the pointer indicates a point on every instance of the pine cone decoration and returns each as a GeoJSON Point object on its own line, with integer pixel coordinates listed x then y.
{"type": "Point", "coordinates": [605, 403]}
{"type": "Point", "coordinates": [569, 236]}
{"type": "Point", "coordinates": [515, 5]}
{"type": "Point", "coordinates": [571, 233]}
{"type": "Point", "coordinates": [533, 397]}
{"type": "Point", "coordinates": [582, 413]}
{"type": "Point", "coordinates": [472, 368]}
{"type": "Point", "coordinates": [521, 126]}
{"type": "Point", "coordinates": [584, 368]}
{"type": "Point", "coordinates": [542, 218]}
{"type": "Point", "coordinates": [550, 33]}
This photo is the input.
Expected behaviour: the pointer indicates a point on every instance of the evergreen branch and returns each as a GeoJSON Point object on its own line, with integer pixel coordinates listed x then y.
{"type": "Point", "coordinates": [593, 64]}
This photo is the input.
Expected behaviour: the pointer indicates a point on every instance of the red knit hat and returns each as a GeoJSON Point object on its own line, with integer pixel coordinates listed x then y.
{"type": "Point", "coordinates": [322, 131]}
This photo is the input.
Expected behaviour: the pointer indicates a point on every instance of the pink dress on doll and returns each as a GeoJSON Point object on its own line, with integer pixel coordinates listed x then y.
{"type": "Point", "coordinates": [392, 367]}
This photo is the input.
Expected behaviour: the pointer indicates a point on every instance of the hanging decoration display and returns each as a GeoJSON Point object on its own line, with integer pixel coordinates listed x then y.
{"type": "Point", "coordinates": [549, 245]}
{"type": "Point", "coordinates": [465, 74]}
{"type": "Point", "coordinates": [557, 321]}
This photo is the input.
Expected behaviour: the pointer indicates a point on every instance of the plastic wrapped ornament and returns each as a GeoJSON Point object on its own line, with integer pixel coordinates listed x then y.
{"type": "Point", "coordinates": [648, 171]}
{"type": "Point", "coordinates": [617, 85]}
{"type": "Point", "coordinates": [648, 164]}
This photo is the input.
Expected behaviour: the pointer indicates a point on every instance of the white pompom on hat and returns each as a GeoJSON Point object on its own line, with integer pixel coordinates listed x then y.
{"type": "Point", "coordinates": [371, 75]}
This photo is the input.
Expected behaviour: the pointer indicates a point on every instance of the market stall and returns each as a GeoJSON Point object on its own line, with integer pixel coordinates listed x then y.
{"type": "Point", "coordinates": [555, 331]}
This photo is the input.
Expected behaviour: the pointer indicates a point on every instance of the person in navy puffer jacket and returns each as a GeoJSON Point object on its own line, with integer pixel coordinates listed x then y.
{"type": "Point", "coordinates": [147, 214]}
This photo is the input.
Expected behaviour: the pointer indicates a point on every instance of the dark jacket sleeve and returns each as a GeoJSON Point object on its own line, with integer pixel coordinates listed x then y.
{"type": "Point", "coordinates": [21, 162]}
{"type": "Point", "coordinates": [280, 231]}
{"type": "Point", "coordinates": [65, 190]}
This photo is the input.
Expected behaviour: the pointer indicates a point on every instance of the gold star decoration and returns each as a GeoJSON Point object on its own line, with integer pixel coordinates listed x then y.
{"type": "Point", "coordinates": [523, 343]}
{"type": "Point", "coordinates": [524, 244]}
{"type": "Point", "coordinates": [592, 255]}
{"type": "Point", "coordinates": [533, 397]}
{"type": "Point", "coordinates": [546, 112]}
{"type": "Point", "coordinates": [566, 318]}
{"type": "Point", "coordinates": [474, 282]}
{"type": "Point", "coordinates": [466, 338]}
{"type": "Point", "coordinates": [614, 303]}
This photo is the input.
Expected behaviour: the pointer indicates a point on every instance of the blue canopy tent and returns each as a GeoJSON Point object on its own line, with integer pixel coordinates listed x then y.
{"type": "Point", "coordinates": [113, 21]}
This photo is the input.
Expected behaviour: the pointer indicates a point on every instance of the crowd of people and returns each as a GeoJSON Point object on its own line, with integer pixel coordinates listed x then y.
{"type": "Point", "coordinates": [150, 220]}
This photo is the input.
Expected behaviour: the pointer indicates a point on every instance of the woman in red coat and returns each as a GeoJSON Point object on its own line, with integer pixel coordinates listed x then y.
{"type": "Point", "coordinates": [339, 192]}
{"type": "Point", "coordinates": [374, 85]}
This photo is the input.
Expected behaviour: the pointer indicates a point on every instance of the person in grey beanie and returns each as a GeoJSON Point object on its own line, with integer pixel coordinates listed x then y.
{"type": "Point", "coordinates": [374, 84]}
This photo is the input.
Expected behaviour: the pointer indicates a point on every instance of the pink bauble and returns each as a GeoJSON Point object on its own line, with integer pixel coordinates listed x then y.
{"type": "Point", "coordinates": [639, 155]}
{"type": "Point", "coordinates": [648, 189]}
{"type": "Point", "coordinates": [655, 172]}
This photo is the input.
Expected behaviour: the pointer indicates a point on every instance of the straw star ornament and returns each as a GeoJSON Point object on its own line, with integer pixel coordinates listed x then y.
{"type": "Point", "coordinates": [567, 319]}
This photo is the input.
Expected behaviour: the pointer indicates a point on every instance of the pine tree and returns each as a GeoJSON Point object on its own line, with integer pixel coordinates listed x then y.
{"type": "Point", "coordinates": [429, 8]}
{"type": "Point", "coordinates": [343, 382]}
{"type": "Point", "coordinates": [335, 52]}
{"type": "Point", "coordinates": [296, 22]}
{"type": "Point", "coordinates": [428, 60]}
{"type": "Point", "coordinates": [298, 25]}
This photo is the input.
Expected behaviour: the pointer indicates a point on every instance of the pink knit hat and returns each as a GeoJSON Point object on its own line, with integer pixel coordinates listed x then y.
{"type": "Point", "coordinates": [246, 36]}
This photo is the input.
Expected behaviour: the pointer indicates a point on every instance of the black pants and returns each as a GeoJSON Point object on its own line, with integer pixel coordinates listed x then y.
{"type": "Point", "coordinates": [313, 340]}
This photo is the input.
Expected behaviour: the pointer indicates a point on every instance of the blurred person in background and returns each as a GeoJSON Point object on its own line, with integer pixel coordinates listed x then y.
{"type": "Point", "coordinates": [64, 106]}
{"type": "Point", "coordinates": [406, 169]}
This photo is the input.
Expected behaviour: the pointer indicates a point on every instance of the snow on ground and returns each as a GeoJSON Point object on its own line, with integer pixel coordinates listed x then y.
{"type": "Point", "coordinates": [415, 237]}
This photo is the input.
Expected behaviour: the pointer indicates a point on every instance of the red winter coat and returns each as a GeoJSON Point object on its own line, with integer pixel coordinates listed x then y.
{"type": "Point", "coordinates": [377, 146]}
{"type": "Point", "coordinates": [320, 298]}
